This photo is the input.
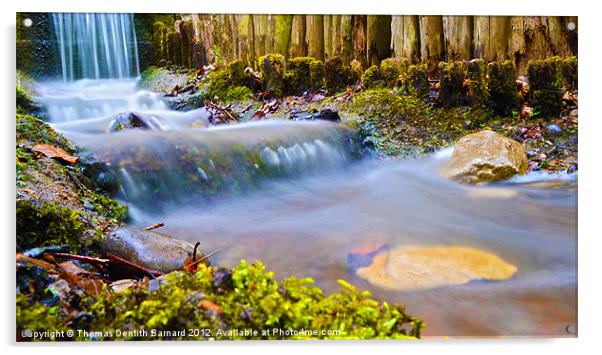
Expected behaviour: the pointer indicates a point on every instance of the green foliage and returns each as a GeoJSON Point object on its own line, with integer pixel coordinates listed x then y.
{"type": "Point", "coordinates": [253, 300]}
{"type": "Point", "coordinates": [502, 87]}
{"type": "Point", "coordinates": [545, 85]}
{"type": "Point", "coordinates": [417, 81]}
{"type": "Point", "coordinates": [390, 69]}
{"type": "Point", "coordinates": [373, 78]}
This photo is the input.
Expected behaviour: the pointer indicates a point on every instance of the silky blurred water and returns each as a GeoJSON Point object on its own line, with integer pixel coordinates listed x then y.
{"type": "Point", "coordinates": [306, 222]}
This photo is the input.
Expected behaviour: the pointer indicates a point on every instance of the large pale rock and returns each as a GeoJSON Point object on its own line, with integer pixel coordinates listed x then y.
{"type": "Point", "coordinates": [414, 268]}
{"type": "Point", "coordinates": [156, 251]}
{"type": "Point", "coordinates": [486, 156]}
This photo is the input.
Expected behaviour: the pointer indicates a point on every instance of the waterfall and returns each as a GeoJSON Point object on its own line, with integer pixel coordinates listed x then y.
{"type": "Point", "coordinates": [95, 46]}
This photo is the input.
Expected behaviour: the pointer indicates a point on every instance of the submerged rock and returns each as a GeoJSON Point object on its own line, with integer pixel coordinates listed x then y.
{"type": "Point", "coordinates": [414, 268]}
{"type": "Point", "coordinates": [486, 156]}
{"type": "Point", "coordinates": [150, 249]}
{"type": "Point", "coordinates": [127, 120]}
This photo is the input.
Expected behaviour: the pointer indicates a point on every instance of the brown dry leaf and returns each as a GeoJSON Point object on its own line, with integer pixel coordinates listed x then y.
{"type": "Point", "coordinates": [190, 265]}
{"type": "Point", "coordinates": [77, 276]}
{"type": "Point", "coordinates": [210, 306]}
{"type": "Point", "coordinates": [51, 151]}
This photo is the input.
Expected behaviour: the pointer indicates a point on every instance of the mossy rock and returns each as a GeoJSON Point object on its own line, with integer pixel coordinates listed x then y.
{"type": "Point", "coordinates": [451, 80]}
{"type": "Point", "coordinates": [390, 69]}
{"type": "Point", "coordinates": [336, 75]}
{"type": "Point", "coordinates": [316, 74]}
{"type": "Point", "coordinates": [298, 75]}
{"type": "Point", "coordinates": [373, 78]}
{"type": "Point", "coordinates": [569, 72]}
{"type": "Point", "coordinates": [545, 86]}
{"type": "Point", "coordinates": [236, 72]}
{"type": "Point", "coordinates": [417, 83]}
{"type": "Point", "coordinates": [220, 300]}
{"type": "Point", "coordinates": [219, 85]}
{"type": "Point", "coordinates": [477, 94]}
{"type": "Point", "coordinates": [272, 68]}
{"type": "Point", "coordinates": [56, 203]}
{"type": "Point", "coordinates": [356, 71]}
{"type": "Point", "coordinates": [502, 87]}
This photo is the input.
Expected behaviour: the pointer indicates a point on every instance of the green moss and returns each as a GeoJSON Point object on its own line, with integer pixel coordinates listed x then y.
{"type": "Point", "coordinates": [43, 223]}
{"type": "Point", "coordinates": [337, 76]}
{"type": "Point", "coordinates": [373, 78]}
{"type": "Point", "coordinates": [390, 69]}
{"type": "Point", "coordinates": [417, 83]}
{"type": "Point", "coordinates": [502, 87]}
{"type": "Point", "coordinates": [253, 299]}
{"type": "Point", "coordinates": [316, 74]}
{"type": "Point", "coordinates": [298, 75]}
{"type": "Point", "coordinates": [569, 72]}
{"type": "Point", "coordinates": [32, 129]}
{"type": "Point", "coordinates": [236, 73]}
{"type": "Point", "coordinates": [545, 86]}
{"type": "Point", "coordinates": [451, 80]}
{"type": "Point", "coordinates": [81, 213]}
{"type": "Point", "coordinates": [356, 71]}
{"type": "Point", "coordinates": [477, 93]}
{"type": "Point", "coordinates": [222, 83]}
{"type": "Point", "coordinates": [272, 68]}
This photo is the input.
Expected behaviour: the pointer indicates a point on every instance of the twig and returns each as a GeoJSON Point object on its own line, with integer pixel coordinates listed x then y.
{"type": "Point", "coordinates": [194, 251]}
{"type": "Point", "coordinates": [154, 226]}
{"type": "Point", "coordinates": [204, 258]}
{"type": "Point", "coordinates": [115, 259]}
{"type": "Point", "coordinates": [82, 258]}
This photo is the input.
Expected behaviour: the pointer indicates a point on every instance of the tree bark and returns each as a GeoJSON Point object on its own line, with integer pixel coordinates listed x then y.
{"type": "Point", "coordinates": [379, 38]}
{"type": "Point", "coordinates": [405, 37]}
{"type": "Point", "coordinates": [457, 33]}
{"type": "Point", "coordinates": [315, 36]}
{"type": "Point", "coordinates": [298, 47]}
{"type": "Point", "coordinates": [431, 40]}
{"type": "Point", "coordinates": [360, 24]}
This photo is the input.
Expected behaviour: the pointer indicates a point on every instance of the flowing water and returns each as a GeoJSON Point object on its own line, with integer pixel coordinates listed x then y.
{"type": "Point", "coordinates": [296, 196]}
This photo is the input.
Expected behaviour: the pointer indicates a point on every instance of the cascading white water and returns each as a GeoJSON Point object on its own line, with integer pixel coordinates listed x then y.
{"type": "Point", "coordinates": [95, 46]}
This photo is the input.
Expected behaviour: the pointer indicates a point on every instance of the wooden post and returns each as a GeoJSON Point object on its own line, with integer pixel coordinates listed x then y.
{"type": "Point", "coordinates": [379, 38]}
{"type": "Point", "coordinates": [431, 40]}
{"type": "Point", "coordinates": [405, 37]}
{"type": "Point", "coordinates": [360, 24]}
{"type": "Point", "coordinates": [457, 34]}
{"type": "Point", "coordinates": [298, 46]}
{"type": "Point", "coordinates": [315, 36]}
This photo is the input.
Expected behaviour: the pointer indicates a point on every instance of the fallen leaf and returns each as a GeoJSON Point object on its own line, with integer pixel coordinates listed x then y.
{"type": "Point", "coordinates": [77, 276]}
{"type": "Point", "coordinates": [210, 306]}
{"type": "Point", "coordinates": [51, 151]}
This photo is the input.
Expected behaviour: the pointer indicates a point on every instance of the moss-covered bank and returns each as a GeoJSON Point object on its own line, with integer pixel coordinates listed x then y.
{"type": "Point", "coordinates": [216, 303]}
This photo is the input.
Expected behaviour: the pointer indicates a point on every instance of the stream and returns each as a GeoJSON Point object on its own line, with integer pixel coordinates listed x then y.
{"type": "Point", "coordinates": [314, 203]}
{"type": "Point", "coordinates": [299, 197]}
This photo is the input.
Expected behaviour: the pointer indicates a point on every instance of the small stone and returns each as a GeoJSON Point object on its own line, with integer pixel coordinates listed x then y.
{"type": "Point", "coordinates": [553, 129]}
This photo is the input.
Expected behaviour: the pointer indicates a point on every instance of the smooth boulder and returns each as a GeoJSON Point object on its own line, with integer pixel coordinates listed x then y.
{"type": "Point", "coordinates": [486, 156]}
{"type": "Point", "coordinates": [153, 250]}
